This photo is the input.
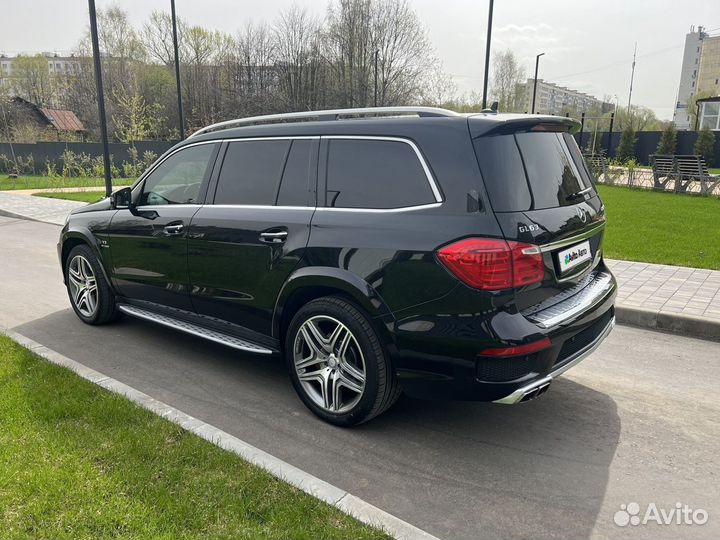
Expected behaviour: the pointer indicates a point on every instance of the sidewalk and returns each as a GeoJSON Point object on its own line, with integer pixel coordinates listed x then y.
{"type": "Point", "coordinates": [662, 297]}
{"type": "Point", "coordinates": [38, 208]}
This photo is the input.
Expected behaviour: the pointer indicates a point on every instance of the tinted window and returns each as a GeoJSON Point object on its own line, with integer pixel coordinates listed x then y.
{"type": "Point", "coordinates": [375, 174]}
{"type": "Point", "coordinates": [178, 179]}
{"type": "Point", "coordinates": [531, 171]}
{"type": "Point", "coordinates": [503, 173]}
{"type": "Point", "coordinates": [294, 184]}
{"type": "Point", "coordinates": [552, 173]}
{"type": "Point", "coordinates": [251, 172]}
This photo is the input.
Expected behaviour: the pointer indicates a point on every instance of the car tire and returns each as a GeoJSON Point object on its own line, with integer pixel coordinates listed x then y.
{"type": "Point", "coordinates": [90, 294]}
{"type": "Point", "coordinates": [327, 368]}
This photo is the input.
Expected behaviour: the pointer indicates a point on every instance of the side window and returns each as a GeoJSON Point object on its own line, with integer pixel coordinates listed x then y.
{"type": "Point", "coordinates": [178, 179]}
{"type": "Point", "coordinates": [375, 174]}
{"type": "Point", "coordinates": [294, 185]}
{"type": "Point", "coordinates": [251, 172]}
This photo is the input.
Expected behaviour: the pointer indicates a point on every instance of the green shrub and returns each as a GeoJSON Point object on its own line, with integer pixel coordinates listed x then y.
{"type": "Point", "coordinates": [705, 145]}
{"type": "Point", "coordinates": [668, 141]}
{"type": "Point", "coordinates": [626, 148]}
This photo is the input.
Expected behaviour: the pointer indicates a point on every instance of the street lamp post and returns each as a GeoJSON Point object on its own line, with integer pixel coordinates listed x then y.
{"type": "Point", "coordinates": [487, 55]}
{"type": "Point", "coordinates": [537, 65]}
{"type": "Point", "coordinates": [100, 96]}
{"type": "Point", "coordinates": [181, 116]}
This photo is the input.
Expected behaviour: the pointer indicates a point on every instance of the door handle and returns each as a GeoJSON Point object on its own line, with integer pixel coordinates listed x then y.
{"type": "Point", "coordinates": [174, 229]}
{"type": "Point", "coordinates": [273, 237]}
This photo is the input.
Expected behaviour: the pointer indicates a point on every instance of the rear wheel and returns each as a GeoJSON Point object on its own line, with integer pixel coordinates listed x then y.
{"type": "Point", "coordinates": [90, 294]}
{"type": "Point", "coordinates": [337, 363]}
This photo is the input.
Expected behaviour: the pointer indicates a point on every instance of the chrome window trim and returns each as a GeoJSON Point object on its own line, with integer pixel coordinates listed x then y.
{"type": "Point", "coordinates": [261, 207]}
{"type": "Point", "coordinates": [380, 210]}
{"type": "Point", "coordinates": [589, 233]}
{"type": "Point", "coordinates": [431, 180]}
{"type": "Point", "coordinates": [426, 169]}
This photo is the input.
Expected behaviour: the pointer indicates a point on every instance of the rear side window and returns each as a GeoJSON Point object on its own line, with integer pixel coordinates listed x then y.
{"type": "Point", "coordinates": [375, 174]}
{"type": "Point", "coordinates": [251, 172]}
{"type": "Point", "coordinates": [530, 171]}
{"type": "Point", "coordinates": [294, 185]}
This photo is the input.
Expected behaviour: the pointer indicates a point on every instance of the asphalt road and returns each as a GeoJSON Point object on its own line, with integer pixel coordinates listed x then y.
{"type": "Point", "coordinates": [638, 421]}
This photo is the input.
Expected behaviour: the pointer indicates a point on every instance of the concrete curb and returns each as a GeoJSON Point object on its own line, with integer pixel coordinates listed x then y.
{"type": "Point", "coordinates": [348, 503]}
{"type": "Point", "coordinates": [674, 323]}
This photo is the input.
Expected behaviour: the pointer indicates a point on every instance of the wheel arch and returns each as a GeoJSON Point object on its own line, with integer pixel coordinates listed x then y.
{"type": "Point", "coordinates": [310, 283]}
{"type": "Point", "coordinates": [76, 237]}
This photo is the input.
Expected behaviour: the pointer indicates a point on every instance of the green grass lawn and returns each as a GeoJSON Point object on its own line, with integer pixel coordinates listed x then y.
{"type": "Point", "coordinates": [43, 182]}
{"type": "Point", "coordinates": [77, 461]}
{"type": "Point", "coordinates": [662, 227]}
{"type": "Point", "coordinates": [84, 196]}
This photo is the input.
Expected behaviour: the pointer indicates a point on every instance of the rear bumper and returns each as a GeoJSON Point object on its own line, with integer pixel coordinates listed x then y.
{"type": "Point", "coordinates": [534, 389]}
{"type": "Point", "coordinates": [437, 356]}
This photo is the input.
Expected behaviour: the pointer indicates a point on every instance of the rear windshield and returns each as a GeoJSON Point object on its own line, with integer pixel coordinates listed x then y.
{"type": "Point", "coordinates": [531, 171]}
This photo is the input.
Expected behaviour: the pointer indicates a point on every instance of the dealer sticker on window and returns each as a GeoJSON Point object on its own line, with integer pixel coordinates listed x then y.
{"type": "Point", "coordinates": [574, 256]}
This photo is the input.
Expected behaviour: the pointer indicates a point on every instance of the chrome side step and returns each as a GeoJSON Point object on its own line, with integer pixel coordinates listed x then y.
{"type": "Point", "coordinates": [194, 329]}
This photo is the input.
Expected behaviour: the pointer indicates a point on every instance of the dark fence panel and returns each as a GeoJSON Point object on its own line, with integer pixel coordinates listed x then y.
{"type": "Point", "coordinates": [647, 142]}
{"type": "Point", "coordinates": [44, 152]}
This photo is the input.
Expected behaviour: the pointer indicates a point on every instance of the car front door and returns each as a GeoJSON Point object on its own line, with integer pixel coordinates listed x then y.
{"type": "Point", "coordinates": [148, 245]}
{"type": "Point", "coordinates": [243, 246]}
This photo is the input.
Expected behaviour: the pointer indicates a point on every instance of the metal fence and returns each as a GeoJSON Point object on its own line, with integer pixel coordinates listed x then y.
{"type": "Point", "coordinates": [40, 155]}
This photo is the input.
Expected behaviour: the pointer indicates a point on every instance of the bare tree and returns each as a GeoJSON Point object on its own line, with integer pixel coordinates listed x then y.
{"type": "Point", "coordinates": [157, 37]}
{"type": "Point", "coordinates": [507, 75]}
{"type": "Point", "coordinates": [297, 60]}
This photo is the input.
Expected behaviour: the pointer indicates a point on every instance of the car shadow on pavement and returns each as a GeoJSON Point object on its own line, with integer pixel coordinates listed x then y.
{"type": "Point", "coordinates": [455, 469]}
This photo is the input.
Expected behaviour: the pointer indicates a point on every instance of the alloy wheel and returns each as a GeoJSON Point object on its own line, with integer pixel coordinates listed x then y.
{"type": "Point", "coordinates": [329, 364]}
{"type": "Point", "coordinates": [83, 286]}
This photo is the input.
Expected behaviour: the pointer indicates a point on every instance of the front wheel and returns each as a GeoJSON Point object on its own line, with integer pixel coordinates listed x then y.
{"type": "Point", "coordinates": [89, 292]}
{"type": "Point", "coordinates": [337, 363]}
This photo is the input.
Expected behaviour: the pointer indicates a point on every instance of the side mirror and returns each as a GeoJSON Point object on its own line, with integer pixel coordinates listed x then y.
{"type": "Point", "coordinates": [122, 198]}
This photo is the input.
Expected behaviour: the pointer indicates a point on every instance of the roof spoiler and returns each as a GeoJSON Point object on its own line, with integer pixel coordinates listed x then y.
{"type": "Point", "coordinates": [504, 124]}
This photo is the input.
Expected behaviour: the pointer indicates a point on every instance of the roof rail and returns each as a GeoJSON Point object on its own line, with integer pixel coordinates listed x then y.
{"type": "Point", "coordinates": [332, 114]}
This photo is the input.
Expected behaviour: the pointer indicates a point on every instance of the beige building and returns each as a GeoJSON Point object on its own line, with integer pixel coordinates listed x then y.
{"type": "Point", "coordinates": [554, 99]}
{"type": "Point", "coordinates": [700, 73]}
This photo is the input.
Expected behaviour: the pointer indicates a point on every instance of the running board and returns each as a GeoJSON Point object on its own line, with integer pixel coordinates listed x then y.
{"type": "Point", "coordinates": [194, 329]}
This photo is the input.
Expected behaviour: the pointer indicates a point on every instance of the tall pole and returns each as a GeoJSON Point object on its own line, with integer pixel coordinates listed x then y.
{"type": "Point", "coordinates": [609, 143]}
{"type": "Point", "coordinates": [537, 64]}
{"type": "Point", "coordinates": [100, 96]}
{"type": "Point", "coordinates": [487, 55]}
{"type": "Point", "coordinates": [376, 76]}
{"type": "Point", "coordinates": [181, 116]}
{"type": "Point", "coordinates": [582, 129]}
{"type": "Point", "coordinates": [632, 76]}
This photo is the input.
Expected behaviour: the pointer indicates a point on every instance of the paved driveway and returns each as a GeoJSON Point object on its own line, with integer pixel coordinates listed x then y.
{"type": "Point", "coordinates": [636, 422]}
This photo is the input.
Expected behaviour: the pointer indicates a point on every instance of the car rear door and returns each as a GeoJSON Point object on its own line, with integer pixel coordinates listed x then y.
{"type": "Point", "coordinates": [244, 244]}
{"type": "Point", "coordinates": [542, 194]}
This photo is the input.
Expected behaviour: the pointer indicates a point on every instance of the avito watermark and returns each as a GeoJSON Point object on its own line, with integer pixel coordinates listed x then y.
{"type": "Point", "coordinates": [680, 514]}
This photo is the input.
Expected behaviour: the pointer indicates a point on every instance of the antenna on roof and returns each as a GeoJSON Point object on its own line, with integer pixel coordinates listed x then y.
{"type": "Point", "coordinates": [493, 108]}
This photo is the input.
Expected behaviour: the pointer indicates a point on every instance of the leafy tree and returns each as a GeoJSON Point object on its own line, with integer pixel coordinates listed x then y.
{"type": "Point", "coordinates": [626, 148]}
{"type": "Point", "coordinates": [705, 145]}
{"type": "Point", "coordinates": [668, 140]}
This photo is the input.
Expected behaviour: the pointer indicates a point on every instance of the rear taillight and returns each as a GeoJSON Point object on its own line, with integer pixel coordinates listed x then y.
{"type": "Point", "coordinates": [518, 350]}
{"type": "Point", "coordinates": [491, 264]}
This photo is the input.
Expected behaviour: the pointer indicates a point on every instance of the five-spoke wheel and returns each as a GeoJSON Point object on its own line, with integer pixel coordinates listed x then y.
{"type": "Point", "coordinates": [89, 292]}
{"type": "Point", "coordinates": [83, 285]}
{"type": "Point", "coordinates": [337, 363]}
{"type": "Point", "coordinates": [329, 363]}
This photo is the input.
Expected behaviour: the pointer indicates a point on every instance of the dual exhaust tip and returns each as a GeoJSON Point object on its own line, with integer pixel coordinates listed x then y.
{"type": "Point", "coordinates": [536, 391]}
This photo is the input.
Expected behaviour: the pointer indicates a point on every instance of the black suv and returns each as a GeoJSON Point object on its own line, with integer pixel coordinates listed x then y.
{"type": "Point", "coordinates": [379, 250]}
